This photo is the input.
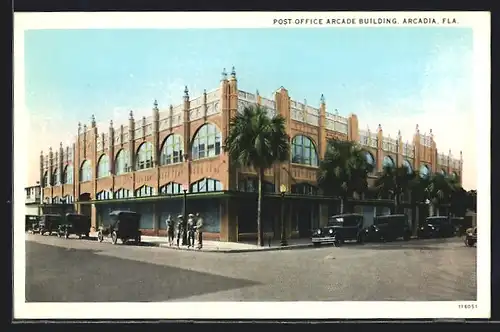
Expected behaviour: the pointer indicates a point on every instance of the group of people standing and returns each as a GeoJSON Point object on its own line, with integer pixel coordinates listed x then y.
{"type": "Point", "coordinates": [177, 228]}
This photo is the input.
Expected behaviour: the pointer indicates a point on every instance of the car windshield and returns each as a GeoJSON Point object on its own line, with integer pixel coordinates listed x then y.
{"type": "Point", "coordinates": [436, 221]}
{"type": "Point", "coordinates": [336, 221]}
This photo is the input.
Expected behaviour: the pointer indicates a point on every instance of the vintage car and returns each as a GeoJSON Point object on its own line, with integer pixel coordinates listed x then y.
{"type": "Point", "coordinates": [48, 223]}
{"type": "Point", "coordinates": [340, 228]}
{"type": "Point", "coordinates": [435, 227]}
{"type": "Point", "coordinates": [388, 228]}
{"type": "Point", "coordinates": [461, 225]}
{"type": "Point", "coordinates": [471, 237]}
{"type": "Point", "coordinates": [124, 225]}
{"type": "Point", "coordinates": [75, 223]}
{"type": "Point", "coordinates": [31, 222]}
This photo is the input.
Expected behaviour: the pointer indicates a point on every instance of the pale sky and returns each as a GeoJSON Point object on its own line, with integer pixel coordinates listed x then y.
{"type": "Point", "coordinates": [398, 77]}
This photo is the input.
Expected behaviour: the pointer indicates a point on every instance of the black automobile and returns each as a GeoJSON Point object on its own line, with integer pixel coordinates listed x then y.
{"type": "Point", "coordinates": [340, 228]}
{"type": "Point", "coordinates": [48, 223]}
{"type": "Point", "coordinates": [31, 222]}
{"type": "Point", "coordinates": [75, 223]}
{"type": "Point", "coordinates": [124, 225]}
{"type": "Point", "coordinates": [388, 228]}
{"type": "Point", "coordinates": [436, 227]}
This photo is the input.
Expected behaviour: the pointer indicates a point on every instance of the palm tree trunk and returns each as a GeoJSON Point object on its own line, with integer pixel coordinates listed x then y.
{"type": "Point", "coordinates": [260, 230]}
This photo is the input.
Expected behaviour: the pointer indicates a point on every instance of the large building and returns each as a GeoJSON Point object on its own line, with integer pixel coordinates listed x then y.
{"type": "Point", "coordinates": [155, 164]}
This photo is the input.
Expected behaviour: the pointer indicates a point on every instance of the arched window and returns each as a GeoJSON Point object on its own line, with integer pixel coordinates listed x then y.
{"type": "Point", "coordinates": [121, 162]}
{"type": "Point", "coordinates": [369, 159]}
{"type": "Point", "coordinates": [53, 178]}
{"type": "Point", "coordinates": [171, 188]}
{"type": "Point", "coordinates": [122, 193]}
{"type": "Point", "coordinates": [206, 142]}
{"type": "Point", "coordinates": [85, 171]}
{"type": "Point", "coordinates": [408, 167]}
{"type": "Point", "coordinates": [388, 162]}
{"type": "Point", "coordinates": [206, 185]}
{"type": "Point", "coordinates": [103, 166]}
{"type": "Point", "coordinates": [144, 156]}
{"type": "Point", "coordinates": [443, 172]}
{"type": "Point", "coordinates": [68, 175]}
{"type": "Point", "coordinates": [102, 195]}
{"type": "Point", "coordinates": [45, 181]}
{"type": "Point", "coordinates": [303, 151]}
{"type": "Point", "coordinates": [454, 175]}
{"type": "Point", "coordinates": [171, 152]}
{"type": "Point", "coordinates": [424, 172]}
{"type": "Point", "coordinates": [145, 191]}
{"type": "Point", "coordinates": [304, 189]}
{"type": "Point", "coordinates": [252, 185]}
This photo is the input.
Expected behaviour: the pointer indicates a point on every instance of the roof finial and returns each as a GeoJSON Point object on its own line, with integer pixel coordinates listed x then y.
{"type": "Point", "coordinates": [233, 73]}
{"type": "Point", "coordinates": [93, 119]}
{"type": "Point", "coordinates": [110, 123]}
{"type": "Point", "coordinates": [416, 128]}
{"type": "Point", "coordinates": [399, 133]}
{"type": "Point", "coordinates": [224, 75]}
{"type": "Point", "coordinates": [257, 92]}
{"type": "Point", "coordinates": [322, 99]}
{"type": "Point", "coordinates": [186, 92]}
{"type": "Point", "coordinates": [131, 115]}
{"type": "Point", "coordinates": [60, 145]}
{"type": "Point", "coordinates": [379, 127]}
{"type": "Point", "coordinates": [155, 104]}
{"type": "Point", "coordinates": [449, 151]}
{"type": "Point", "coordinates": [336, 111]}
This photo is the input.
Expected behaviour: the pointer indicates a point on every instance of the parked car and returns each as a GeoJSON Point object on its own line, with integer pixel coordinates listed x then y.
{"type": "Point", "coordinates": [437, 226]}
{"type": "Point", "coordinates": [48, 223]}
{"type": "Point", "coordinates": [77, 224]}
{"type": "Point", "coordinates": [340, 228]}
{"type": "Point", "coordinates": [31, 222]}
{"type": "Point", "coordinates": [471, 237]}
{"type": "Point", "coordinates": [124, 225]}
{"type": "Point", "coordinates": [388, 228]}
{"type": "Point", "coordinates": [461, 225]}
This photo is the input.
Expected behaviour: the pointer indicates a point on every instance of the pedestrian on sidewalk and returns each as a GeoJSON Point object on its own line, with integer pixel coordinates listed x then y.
{"type": "Point", "coordinates": [170, 230]}
{"type": "Point", "coordinates": [191, 230]}
{"type": "Point", "coordinates": [180, 228]}
{"type": "Point", "coordinates": [199, 230]}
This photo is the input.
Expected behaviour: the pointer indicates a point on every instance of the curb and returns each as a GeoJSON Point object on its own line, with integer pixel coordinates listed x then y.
{"type": "Point", "coordinates": [297, 246]}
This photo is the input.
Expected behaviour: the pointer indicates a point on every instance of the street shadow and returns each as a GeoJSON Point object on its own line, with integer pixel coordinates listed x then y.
{"type": "Point", "coordinates": [55, 274]}
{"type": "Point", "coordinates": [416, 244]}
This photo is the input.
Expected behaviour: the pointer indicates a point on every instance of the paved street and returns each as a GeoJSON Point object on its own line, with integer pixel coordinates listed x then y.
{"type": "Point", "coordinates": [81, 270]}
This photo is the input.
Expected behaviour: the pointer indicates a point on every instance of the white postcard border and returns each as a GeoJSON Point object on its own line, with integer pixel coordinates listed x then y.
{"type": "Point", "coordinates": [478, 21]}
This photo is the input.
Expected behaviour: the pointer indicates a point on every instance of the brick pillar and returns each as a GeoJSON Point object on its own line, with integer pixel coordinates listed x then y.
{"type": "Point", "coordinates": [353, 128]}
{"type": "Point", "coordinates": [282, 171]}
{"type": "Point", "coordinates": [131, 145]}
{"type": "Point", "coordinates": [400, 158]}
{"type": "Point", "coordinates": [111, 148]}
{"type": "Point", "coordinates": [187, 137]}
{"type": "Point", "coordinates": [380, 152]}
{"type": "Point", "coordinates": [417, 146]}
{"type": "Point", "coordinates": [322, 128]}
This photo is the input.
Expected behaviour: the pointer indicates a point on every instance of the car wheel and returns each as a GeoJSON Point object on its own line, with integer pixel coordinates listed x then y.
{"type": "Point", "coordinates": [114, 237]}
{"type": "Point", "coordinates": [100, 236]}
{"type": "Point", "coordinates": [138, 239]}
{"type": "Point", "coordinates": [316, 244]}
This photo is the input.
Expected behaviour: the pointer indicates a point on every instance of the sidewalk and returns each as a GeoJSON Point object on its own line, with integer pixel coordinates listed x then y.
{"type": "Point", "coordinates": [225, 247]}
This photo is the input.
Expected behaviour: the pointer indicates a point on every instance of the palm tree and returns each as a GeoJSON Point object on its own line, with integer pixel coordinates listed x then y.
{"type": "Point", "coordinates": [259, 141]}
{"type": "Point", "coordinates": [393, 183]}
{"type": "Point", "coordinates": [439, 189]}
{"type": "Point", "coordinates": [418, 187]}
{"type": "Point", "coordinates": [343, 170]}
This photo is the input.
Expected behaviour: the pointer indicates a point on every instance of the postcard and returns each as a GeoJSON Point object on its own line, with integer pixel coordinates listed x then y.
{"type": "Point", "coordinates": [252, 165]}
